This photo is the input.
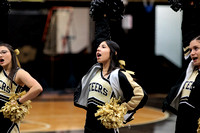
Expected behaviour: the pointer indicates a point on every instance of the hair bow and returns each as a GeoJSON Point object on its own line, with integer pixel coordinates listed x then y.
{"type": "Point", "coordinates": [17, 52]}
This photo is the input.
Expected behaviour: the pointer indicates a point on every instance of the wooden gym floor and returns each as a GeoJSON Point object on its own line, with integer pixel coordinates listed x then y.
{"type": "Point", "coordinates": [55, 113]}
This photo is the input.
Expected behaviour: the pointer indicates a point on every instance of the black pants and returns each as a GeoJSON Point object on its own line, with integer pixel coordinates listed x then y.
{"type": "Point", "coordinates": [187, 120]}
{"type": "Point", "coordinates": [88, 130]}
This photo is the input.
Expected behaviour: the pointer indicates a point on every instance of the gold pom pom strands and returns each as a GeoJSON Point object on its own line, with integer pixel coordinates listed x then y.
{"type": "Point", "coordinates": [111, 114]}
{"type": "Point", "coordinates": [198, 129]}
{"type": "Point", "coordinates": [17, 52]}
{"type": "Point", "coordinates": [13, 110]}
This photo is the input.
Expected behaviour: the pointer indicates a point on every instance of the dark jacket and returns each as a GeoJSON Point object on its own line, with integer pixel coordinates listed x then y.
{"type": "Point", "coordinates": [171, 102]}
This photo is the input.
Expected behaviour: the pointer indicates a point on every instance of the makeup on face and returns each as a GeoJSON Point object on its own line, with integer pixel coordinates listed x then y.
{"type": "Point", "coordinates": [195, 52]}
{"type": "Point", "coordinates": [2, 52]}
{"type": "Point", "coordinates": [103, 53]}
{"type": "Point", "coordinates": [5, 58]}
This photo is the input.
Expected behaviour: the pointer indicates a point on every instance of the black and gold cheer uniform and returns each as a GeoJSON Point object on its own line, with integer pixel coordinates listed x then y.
{"type": "Point", "coordinates": [95, 90]}
{"type": "Point", "coordinates": [100, 92]}
{"type": "Point", "coordinates": [7, 89]}
{"type": "Point", "coordinates": [183, 100]}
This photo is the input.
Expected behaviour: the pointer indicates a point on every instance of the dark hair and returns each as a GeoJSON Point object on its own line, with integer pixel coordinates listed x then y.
{"type": "Point", "coordinates": [114, 55]}
{"type": "Point", "coordinates": [196, 38]}
{"type": "Point", "coordinates": [14, 60]}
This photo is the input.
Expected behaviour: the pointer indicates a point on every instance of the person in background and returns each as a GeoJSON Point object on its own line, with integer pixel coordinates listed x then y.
{"type": "Point", "coordinates": [183, 98]}
{"type": "Point", "coordinates": [105, 80]}
{"type": "Point", "coordinates": [12, 80]}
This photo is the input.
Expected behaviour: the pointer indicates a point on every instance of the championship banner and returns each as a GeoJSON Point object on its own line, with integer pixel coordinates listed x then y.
{"type": "Point", "coordinates": [66, 30]}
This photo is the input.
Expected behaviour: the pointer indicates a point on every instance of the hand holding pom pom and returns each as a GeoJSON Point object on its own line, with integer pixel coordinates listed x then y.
{"type": "Point", "coordinates": [113, 9]}
{"type": "Point", "coordinates": [112, 114]}
{"type": "Point", "coordinates": [14, 111]}
{"type": "Point", "coordinates": [198, 129]}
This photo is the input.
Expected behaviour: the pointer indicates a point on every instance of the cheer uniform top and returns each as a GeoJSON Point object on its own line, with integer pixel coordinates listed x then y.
{"type": "Point", "coordinates": [100, 92]}
{"type": "Point", "coordinates": [7, 89]}
{"type": "Point", "coordinates": [183, 100]}
{"type": "Point", "coordinates": [187, 117]}
{"type": "Point", "coordinates": [95, 90]}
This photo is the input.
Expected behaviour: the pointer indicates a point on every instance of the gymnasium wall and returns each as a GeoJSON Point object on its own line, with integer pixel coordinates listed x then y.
{"type": "Point", "coordinates": [64, 71]}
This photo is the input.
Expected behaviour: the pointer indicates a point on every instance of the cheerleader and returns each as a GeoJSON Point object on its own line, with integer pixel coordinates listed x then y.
{"type": "Point", "coordinates": [183, 98]}
{"type": "Point", "coordinates": [104, 81]}
{"type": "Point", "coordinates": [12, 80]}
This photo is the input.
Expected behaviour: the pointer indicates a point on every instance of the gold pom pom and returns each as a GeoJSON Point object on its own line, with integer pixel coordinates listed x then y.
{"type": "Point", "coordinates": [13, 110]}
{"type": "Point", "coordinates": [17, 52]}
{"type": "Point", "coordinates": [112, 114]}
{"type": "Point", "coordinates": [198, 129]}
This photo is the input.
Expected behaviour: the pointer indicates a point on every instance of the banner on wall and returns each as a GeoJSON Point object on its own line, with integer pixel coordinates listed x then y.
{"type": "Point", "coordinates": [66, 30]}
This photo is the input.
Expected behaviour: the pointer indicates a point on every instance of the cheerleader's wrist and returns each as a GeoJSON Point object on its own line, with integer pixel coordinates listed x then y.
{"type": "Point", "coordinates": [19, 102]}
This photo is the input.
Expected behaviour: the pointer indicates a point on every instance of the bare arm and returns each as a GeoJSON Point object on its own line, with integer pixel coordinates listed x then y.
{"type": "Point", "coordinates": [24, 78]}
